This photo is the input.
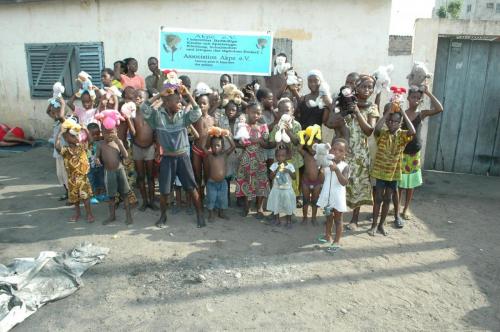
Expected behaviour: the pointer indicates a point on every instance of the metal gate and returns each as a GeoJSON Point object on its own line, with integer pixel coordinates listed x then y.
{"type": "Point", "coordinates": [466, 137]}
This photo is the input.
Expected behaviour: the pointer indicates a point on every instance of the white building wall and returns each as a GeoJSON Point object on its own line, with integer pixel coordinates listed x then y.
{"type": "Point", "coordinates": [336, 37]}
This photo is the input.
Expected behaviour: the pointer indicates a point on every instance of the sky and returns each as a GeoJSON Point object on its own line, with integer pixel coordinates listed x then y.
{"type": "Point", "coordinates": [404, 13]}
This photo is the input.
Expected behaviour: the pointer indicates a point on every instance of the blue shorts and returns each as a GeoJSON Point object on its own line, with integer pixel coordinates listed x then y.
{"type": "Point", "coordinates": [176, 166]}
{"type": "Point", "coordinates": [96, 178]}
{"type": "Point", "coordinates": [217, 195]}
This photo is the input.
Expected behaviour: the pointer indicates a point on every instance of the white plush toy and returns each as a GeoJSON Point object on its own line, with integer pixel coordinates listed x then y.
{"type": "Point", "coordinates": [324, 90]}
{"type": "Point", "coordinates": [242, 133]}
{"type": "Point", "coordinates": [128, 110]}
{"type": "Point", "coordinates": [110, 92]}
{"type": "Point", "coordinates": [57, 91]}
{"type": "Point", "coordinates": [281, 65]}
{"type": "Point", "coordinates": [202, 89]}
{"type": "Point", "coordinates": [281, 134]}
{"type": "Point", "coordinates": [383, 80]}
{"type": "Point", "coordinates": [292, 78]}
{"type": "Point", "coordinates": [86, 85]}
{"type": "Point", "coordinates": [419, 73]}
{"type": "Point", "coordinates": [323, 157]}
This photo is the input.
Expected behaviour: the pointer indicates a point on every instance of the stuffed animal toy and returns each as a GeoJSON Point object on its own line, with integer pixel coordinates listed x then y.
{"type": "Point", "coordinates": [323, 157]}
{"type": "Point", "coordinates": [292, 77]}
{"type": "Point", "coordinates": [250, 89]}
{"type": "Point", "coordinates": [345, 99]}
{"type": "Point", "coordinates": [57, 91]}
{"type": "Point", "coordinates": [397, 98]}
{"type": "Point", "coordinates": [382, 78]}
{"type": "Point", "coordinates": [281, 66]}
{"type": "Point", "coordinates": [281, 134]}
{"type": "Point", "coordinates": [86, 85]}
{"type": "Point", "coordinates": [128, 110]}
{"type": "Point", "coordinates": [72, 127]}
{"type": "Point", "coordinates": [242, 132]}
{"type": "Point", "coordinates": [419, 73]}
{"type": "Point", "coordinates": [110, 118]}
{"type": "Point", "coordinates": [202, 89]}
{"type": "Point", "coordinates": [324, 90]}
{"type": "Point", "coordinates": [311, 132]}
{"type": "Point", "coordinates": [231, 93]}
{"type": "Point", "coordinates": [173, 82]}
{"type": "Point", "coordinates": [217, 132]}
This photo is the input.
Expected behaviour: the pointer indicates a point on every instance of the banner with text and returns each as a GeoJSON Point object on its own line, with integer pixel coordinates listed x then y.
{"type": "Point", "coordinates": [209, 51]}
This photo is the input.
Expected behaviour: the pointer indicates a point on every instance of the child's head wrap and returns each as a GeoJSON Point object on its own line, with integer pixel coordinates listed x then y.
{"type": "Point", "coordinates": [363, 78]}
{"type": "Point", "coordinates": [317, 73]}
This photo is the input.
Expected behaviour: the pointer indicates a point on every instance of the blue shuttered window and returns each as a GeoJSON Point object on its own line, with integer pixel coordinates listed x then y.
{"type": "Point", "coordinates": [49, 63]}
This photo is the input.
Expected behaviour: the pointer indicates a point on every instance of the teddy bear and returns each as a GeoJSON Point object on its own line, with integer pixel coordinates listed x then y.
{"type": "Point", "coordinates": [70, 125]}
{"type": "Point", "coordinates": [231, 93]}
{"type": "Point", "coordinates": [250, 89]}
{"type": "Point", "coordinates": [109, 118]}
{"type": "Point", "coordinates": [173, 82]}
{"type": "Point", "coordinates": [323, 156]}
{"type": "Point", "coordinates": [345, 100]}
{"type": "Point", "coordinates": [242, 132]}
{"type": "Point", "coordinates": [217, 132]}
{"type": "Point", "coordinates": [292, 78]}
{"type": "Point", "coordinates": [281, 135]}
{"type": "Point", "coordinates": [281, 66]}
{"type": "Point", "coordinates": [86, 85]}
{"type": "Point", "coordinates": [128, 110]}
{"type": "Point", "coordinates": [311, 132]}
{"type": "Point", "coordinates": [397, 98]}
{"type": "Point", "coordinates": [382, 78]}
{"type": "Point", "coordinates": [419, 73]}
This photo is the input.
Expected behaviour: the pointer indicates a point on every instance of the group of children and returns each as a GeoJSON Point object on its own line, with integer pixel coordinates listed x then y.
{"type": "Point", "coordinates": [206, 141]}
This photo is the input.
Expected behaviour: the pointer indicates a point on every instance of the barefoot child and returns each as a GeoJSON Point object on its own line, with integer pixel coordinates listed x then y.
{"type": "Point", "coordinates": [216, 180]}
{"type": "Point", "coordinates": [170, 121]}
{"type": "Point", "coordinates": [143, 152]}
{"type": "Point", "coordinates": [333, 195]}
{"type": "Point", "coordinates": [282, 197]}
{"type": "Point", "coordinates": [199, 152]}
{"type": "Point", "coordinates": [312, 181]}
{"type": "Point", "coordinates": [56, 112]}
{"type": "Point", "coordinates": [387, 166]}
{"type": "Point", "coordinates": [96, 171]}
{"type": "Point", "coordinates": [111, 152]}
{"type": "Point", "coordinates": [77, 167]}
{"type": "Point", "coordinates": [85, 114]}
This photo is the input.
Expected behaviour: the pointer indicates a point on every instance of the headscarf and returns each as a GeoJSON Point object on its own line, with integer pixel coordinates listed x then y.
{"type": "Point", "coordinates": [363, 78]}
{"type": "Point", "coordinates": [317, 73]}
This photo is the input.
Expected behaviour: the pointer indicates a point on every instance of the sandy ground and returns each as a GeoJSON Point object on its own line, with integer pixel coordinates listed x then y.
{"type": "Point", "coordinates": [441, 272]}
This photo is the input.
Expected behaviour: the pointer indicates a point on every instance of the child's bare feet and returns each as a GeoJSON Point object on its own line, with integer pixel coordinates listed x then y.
{"type": "Point", "coordinates": [314, 222]}
{"type": "Point", "coordinates": [371, 231]}
{"type": "Point", "coordinates": [223, 215]}
{"type": "Point", "coordinates": [352, 226]}
{"type": "Point", "coordinates": [381, 230]}
{"type": "Point", "coordinates": [90, 219]}
{"type": "Point", "coordinates": [210, 216]}
{"type": "Point", "coordinates": [162, 222]}
{"type": "Point", "coordinates": [153, 206]}
{"type": "Point", "coordinates": [143, 207]}
{"type": "Point", "coordinates": [74, 218]}
{"type": "Point", "coordinates": [129, 220]}
{"type": "Point", "coordinates": [109, 220]}
{"type": "Point", "coordinates": [304, 221]}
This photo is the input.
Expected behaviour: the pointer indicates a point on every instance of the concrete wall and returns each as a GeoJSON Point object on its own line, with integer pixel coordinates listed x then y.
{"type": "Point", "coordinates": [427, 32]}
{"type": "Point", "coordinates": [336, 37]}
{"type": "Point", "coordinates": [478, 9]}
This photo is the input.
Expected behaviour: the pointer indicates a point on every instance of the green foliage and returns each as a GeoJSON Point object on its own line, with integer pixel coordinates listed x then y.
{"type": "Point", "coordinates": [454, 8]}
{"type": "Point", "coordinates": [441, 12]}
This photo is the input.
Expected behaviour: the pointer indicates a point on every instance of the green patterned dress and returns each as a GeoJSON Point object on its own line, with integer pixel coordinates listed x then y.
{"type": "Point", "coordinates": [359, 188]}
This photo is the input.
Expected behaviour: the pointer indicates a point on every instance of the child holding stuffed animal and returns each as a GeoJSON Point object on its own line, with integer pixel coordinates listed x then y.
{"type": "Point", "coordinates": [251, 178]}
{"type": "Point", "coordinates": [333, 194]}
{"type": "Point", "coordinates": [282, 197]}
{"type": "Point", "coordinates": [217, 186]}
{"type": "Point", "coordinates": [265, 98]}
{"type": "Point", "coordinates": [386, 170]}
{"type": "Point", "coordinates": [85, 114]}
{"type": "Point", "coordinates": [313, 105]}
{"type": "Point", "coordinates": [111, 152]}
{"type": "Point", "coordinates": [77, 167]}
{"type": "Point", "coordinates": [96, 171]}
{"type": "Point", "coordinates": [199, 145]}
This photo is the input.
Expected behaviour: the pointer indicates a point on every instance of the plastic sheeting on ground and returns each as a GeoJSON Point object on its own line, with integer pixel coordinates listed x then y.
{"type": "Point", "coordinates": [26, 284]}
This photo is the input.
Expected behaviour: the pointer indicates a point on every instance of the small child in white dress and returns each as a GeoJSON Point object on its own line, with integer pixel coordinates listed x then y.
{"type": "Point", "coordinates": [282, 197]}
{"type": "Point", "coordinates": [333, 194]}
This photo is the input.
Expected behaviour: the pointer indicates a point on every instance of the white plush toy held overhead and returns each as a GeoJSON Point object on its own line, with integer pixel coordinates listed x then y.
{"type": "Point", "coordinates": [86, 85]}
{"type": "Point", "coordinates": [201, 89]}
{"type": "Point", "coordinates": [128, 110]}
{"type": "Point", "coordinates": [323, 156]}
{"type": "Point", "coordinates": [382, 78]}
{"type": "Point", "coordinates": [292, 78]}
{"type": "Point", "coordinates": [242, 132]}
{"type": "Point", "coordinates": [281, 135]}
{"type": "Point", "coordinates": [419, 73]}
{"type": "Point", "coordinates": [57, 91]}
{"type": "Point", "coordinates": [281, 65]}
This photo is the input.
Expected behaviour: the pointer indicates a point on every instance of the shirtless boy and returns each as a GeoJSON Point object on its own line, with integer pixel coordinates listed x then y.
{"type": "Point", "coordinates": [312, 180]}
{"type": "Point", "coordinates": [111, 152]}
{"type": "Point", "coordinates": [143, 153]}
{"type": "Point", "coordinates": [199, 146]}
{"type": "Point", "coordinates": [216, 181]}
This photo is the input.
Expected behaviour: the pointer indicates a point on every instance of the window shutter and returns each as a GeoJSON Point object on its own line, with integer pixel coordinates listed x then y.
{"type": "Point", "coordinates": [91, 60]}
{"type": "Point", "coordinates": [48, 65]}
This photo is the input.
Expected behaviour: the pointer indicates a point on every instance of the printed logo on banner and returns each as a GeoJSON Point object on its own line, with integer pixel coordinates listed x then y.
{"type": "Point", "coordinates": [209, 51]}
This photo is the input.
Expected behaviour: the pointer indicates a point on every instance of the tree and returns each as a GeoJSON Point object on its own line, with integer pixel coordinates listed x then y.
{"type": "Point", "coordinates": [454, 8]}
{"type": "Point", "coordinates": [441, 12]}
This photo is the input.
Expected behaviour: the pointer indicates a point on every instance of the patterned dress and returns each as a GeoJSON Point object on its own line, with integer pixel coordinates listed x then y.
{"type": "Point", "coordinates": [251, 177]}
{"type": "Point", "coordinates": [77, 167]}
{"type": "Point", "coordinates": [359, 188]}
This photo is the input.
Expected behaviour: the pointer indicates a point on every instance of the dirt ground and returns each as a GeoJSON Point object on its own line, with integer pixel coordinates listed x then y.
{"type": "Point", "coordinates": [441, 272]}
